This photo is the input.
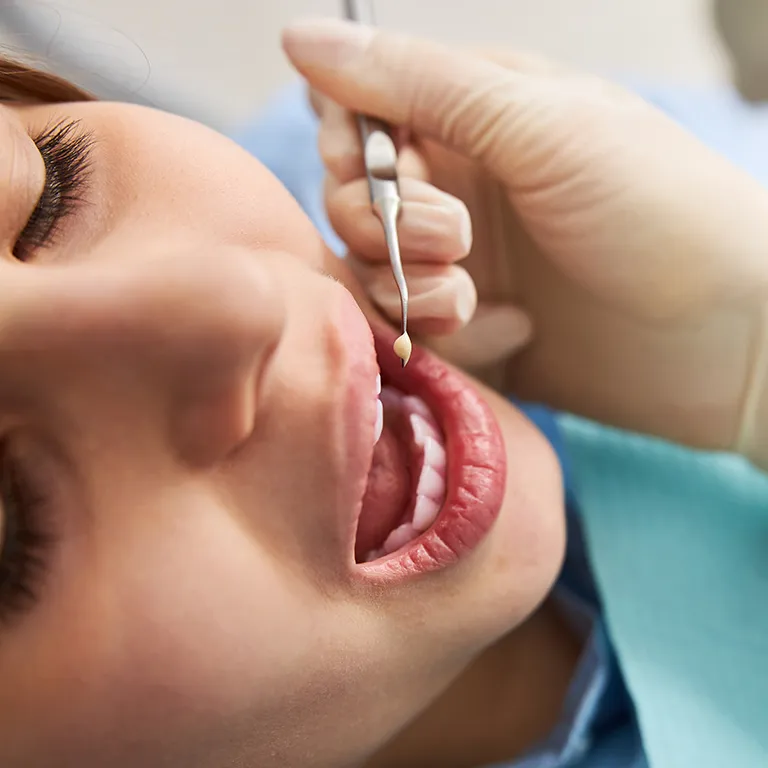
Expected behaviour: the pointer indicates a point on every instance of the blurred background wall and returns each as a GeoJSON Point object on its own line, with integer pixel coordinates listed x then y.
{"type": "Point", "coordinates": [225, 55]}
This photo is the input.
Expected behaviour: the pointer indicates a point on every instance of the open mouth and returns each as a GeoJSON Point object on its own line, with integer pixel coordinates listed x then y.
{"type": "Point", "coordinates": [407, 480]}
{"type": "Point", "coordinates": [426, 456]}
{"type": "Point", "coordinates": [435, 483]}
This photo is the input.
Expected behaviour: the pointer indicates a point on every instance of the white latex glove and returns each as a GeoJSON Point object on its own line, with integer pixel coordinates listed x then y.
{"type": "Point", "coordinates": [640, 255]}
{"type": "Point", "coordinates": [435, 232]}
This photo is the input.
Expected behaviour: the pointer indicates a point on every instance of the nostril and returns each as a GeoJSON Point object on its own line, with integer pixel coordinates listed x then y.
{"type": "Point", "coordinates": [211, 423]}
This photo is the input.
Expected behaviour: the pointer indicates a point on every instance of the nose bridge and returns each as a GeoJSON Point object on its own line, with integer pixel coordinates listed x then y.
{"type": "Point", "coordinates": [191, 333]}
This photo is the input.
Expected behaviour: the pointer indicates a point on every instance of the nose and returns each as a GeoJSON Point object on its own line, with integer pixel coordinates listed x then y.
{"type": "Point", "coordinates": [183, 342]}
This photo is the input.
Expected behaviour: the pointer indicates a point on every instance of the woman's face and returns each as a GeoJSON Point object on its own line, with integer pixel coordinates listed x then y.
{"type": "Point", "coordinates": [188, 416]}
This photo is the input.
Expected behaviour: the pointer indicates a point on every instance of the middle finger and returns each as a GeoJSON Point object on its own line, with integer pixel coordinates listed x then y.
{"type": "Point", "coordinates": [434, 227]}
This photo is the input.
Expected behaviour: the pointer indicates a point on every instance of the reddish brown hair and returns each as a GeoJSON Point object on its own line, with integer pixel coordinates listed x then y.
{"type": "Point", "coordinates": [21, 82]}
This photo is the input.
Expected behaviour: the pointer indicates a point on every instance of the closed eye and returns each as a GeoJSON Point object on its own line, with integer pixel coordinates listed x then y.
{"type": "Point", "coordinates": [66, 152]}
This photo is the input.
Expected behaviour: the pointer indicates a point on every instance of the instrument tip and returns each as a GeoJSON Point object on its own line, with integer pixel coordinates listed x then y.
{"type": "Point", "coordinates": [403, 348]}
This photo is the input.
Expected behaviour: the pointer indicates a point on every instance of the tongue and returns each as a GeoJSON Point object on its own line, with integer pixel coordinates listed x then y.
{"type": "Point", "coordinates": [388, 491]}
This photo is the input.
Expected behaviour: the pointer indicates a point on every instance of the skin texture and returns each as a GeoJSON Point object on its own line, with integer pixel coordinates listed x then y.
{"type": "Point", "coordinates": [170, 384]}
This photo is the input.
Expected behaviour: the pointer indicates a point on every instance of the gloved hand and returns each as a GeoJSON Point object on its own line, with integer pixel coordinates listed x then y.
{"type": "Point", "coordinates": [640, 256]}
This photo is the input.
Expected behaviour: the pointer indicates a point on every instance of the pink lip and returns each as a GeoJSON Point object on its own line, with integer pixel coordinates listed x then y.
{"type": "Point", "coordinates": [476, 458]}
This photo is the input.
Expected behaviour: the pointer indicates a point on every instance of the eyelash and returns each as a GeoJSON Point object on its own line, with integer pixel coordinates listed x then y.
{"type": "Point", "coordinates": [24, 545]}
{"type": "Point", "coordinates": [66, 152]}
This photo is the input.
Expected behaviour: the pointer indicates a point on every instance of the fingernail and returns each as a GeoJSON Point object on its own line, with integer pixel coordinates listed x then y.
{"type": "Point", "coordinates": [436, 297]}
{"type": "Point", "coordinates": [466, 302]}
{"type": "Point", "coordinates": [441, 228]}
{"type": "Point", "coordinates": [325, 42]}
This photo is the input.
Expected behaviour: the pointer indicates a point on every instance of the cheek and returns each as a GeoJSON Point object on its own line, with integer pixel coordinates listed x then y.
{"type": "Point", "coordinates": [231, 197]}
{"type": "Point", "coordinates": [180, 638]}
{"type": "Point", "coordinates": [211, 622]}
{"type": "Point", "coordinates": [268, 217]}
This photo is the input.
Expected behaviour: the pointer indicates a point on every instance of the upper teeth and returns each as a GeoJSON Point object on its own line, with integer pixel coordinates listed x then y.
{"type": "Point", "coordinates": [379, 420]}
{"type": "Point", "coordinates": [379, 411]}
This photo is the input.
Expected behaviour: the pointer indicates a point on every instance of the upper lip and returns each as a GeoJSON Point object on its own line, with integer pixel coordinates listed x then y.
{"type": "Point", "coordinates": [357, 412]}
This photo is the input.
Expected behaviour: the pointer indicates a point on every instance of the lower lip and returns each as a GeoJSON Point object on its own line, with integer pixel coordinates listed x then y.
{"type": "Point", "coordinates": [476, 463]}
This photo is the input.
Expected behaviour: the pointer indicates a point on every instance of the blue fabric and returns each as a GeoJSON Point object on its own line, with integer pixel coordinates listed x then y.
{"type": "Point", "coordinates": [618, 479]}
{"type": "Point", "coordinates": [679, 543]}
{"type": "Point", "coordinates": [597, 728]}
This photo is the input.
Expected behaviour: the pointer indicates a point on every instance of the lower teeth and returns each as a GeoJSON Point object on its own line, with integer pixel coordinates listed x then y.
{"type": "Point", "coordinates": [431, 487]}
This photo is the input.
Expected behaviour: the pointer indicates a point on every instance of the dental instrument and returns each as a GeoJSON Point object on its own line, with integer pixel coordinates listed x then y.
{"type": "Point", "coordinates": [380, 156]}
